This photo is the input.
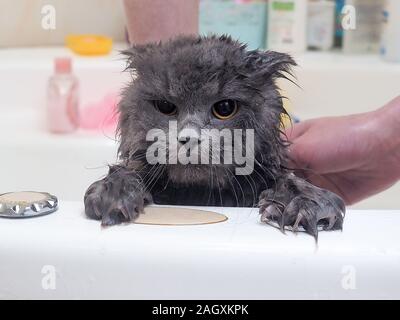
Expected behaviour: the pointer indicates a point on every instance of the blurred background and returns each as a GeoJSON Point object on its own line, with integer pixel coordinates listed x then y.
{"type": "Point", "coordinates": [291, 24]}
{"type": "Point", "coordinates": [348, 54]}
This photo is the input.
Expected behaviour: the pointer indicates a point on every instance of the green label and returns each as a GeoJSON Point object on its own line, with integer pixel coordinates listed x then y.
{"type": "Point", "coordinates": [283, 6]}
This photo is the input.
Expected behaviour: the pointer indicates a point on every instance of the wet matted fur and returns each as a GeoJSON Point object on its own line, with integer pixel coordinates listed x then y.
{"type": "Point", "coordinates": [193, 73]}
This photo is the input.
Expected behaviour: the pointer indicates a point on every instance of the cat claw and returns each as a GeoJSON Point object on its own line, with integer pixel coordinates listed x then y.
{"type": "Point", "coordinates": [303, 214]}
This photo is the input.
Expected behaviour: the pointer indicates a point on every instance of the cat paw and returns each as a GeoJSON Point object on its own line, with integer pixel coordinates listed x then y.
{"type": "Point", "coordinates": [114, 203]}
{"type": "Point", "coordinates": [298, 205]}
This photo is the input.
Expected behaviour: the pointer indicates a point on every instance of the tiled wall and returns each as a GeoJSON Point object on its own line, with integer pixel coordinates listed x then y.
{"type": "Point", "coordinates": [21, 20]}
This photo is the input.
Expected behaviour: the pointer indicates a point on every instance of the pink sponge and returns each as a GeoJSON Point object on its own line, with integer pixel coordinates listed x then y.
{"type": "Point", "coordinates": [100, 115]}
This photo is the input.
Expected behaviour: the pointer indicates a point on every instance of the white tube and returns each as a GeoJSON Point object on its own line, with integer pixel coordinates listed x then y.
{"type": "Point", "coordinates": [287, 25]}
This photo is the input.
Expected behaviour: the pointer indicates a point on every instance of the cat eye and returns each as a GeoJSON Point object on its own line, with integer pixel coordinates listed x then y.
{"type": "Point", "coordinates": [225, 109]}
{"type": "Point", "coordinates": [165, 107]}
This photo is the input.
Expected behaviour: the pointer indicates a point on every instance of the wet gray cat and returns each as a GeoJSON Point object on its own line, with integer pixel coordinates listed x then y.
{"type": "Point", "coordinates": [208, 83]}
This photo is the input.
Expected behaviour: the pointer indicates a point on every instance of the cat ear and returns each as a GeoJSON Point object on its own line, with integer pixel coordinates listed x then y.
{"type": "Point", "coordinates": [137, 53]}
{"type": "Point", "coordinates": [263, 65]}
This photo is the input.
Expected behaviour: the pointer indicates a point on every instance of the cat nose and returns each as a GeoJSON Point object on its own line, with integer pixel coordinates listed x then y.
{"type": "Point", "coordinates": [188, 135]}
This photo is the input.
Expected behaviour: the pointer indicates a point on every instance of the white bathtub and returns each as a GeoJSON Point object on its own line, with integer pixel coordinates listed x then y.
{"type": "Point", "coordinates": [65, 256]}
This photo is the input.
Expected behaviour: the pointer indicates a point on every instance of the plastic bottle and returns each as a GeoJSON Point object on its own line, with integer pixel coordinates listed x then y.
{"type": "Point", "coordinates": [390, 48]}
{"type": "Point", "coordinates": [338, 23]}
{"type": "Point", "coordinates": [62, 98]}
{"type": "Point", "coordinates": [287, 25]}
{"type": "Point", "coordinates": [321, 24]}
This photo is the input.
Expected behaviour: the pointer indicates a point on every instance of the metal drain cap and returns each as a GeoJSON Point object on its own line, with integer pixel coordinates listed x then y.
{"type": "Point", "coordinates": [27, 204]}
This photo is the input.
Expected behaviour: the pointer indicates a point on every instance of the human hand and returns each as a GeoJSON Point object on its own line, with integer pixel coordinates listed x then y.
{"type": "Point", "coordinates": [354, 156]}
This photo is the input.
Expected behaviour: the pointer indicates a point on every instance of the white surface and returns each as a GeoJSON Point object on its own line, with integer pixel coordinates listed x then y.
{"type": "Point", "coordinates": [239, 258]}
{"type": "Point", "coordinates": [333, 84]}
{"type": "Point", "coordinates": [64, 165]}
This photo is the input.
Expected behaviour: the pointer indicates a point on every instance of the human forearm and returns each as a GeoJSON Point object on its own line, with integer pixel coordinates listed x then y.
{"type": "Point", "coordinates": [355, 156]}
{"type": "Point", "coordinates": [159, 20]}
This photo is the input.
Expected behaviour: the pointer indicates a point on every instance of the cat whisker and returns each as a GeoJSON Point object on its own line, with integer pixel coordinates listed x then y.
{"type": "Point", "coordinates": [233, 187]}
{"type": "Point", "coordinates": [219, 189]}
{"type": "Point", "coordinates": [158, 174]}
{"type": "Point", "coordinates": [238, 183]}
{"type": "Point", "coordinates": [211, 185]}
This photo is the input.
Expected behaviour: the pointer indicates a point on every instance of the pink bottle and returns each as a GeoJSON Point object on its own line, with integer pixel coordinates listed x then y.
{"type": "Point", "coordinates": [62, 98]}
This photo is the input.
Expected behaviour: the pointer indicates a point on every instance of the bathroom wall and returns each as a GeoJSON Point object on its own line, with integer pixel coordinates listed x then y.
{"type": "Point", "coordinates": [21, 21]}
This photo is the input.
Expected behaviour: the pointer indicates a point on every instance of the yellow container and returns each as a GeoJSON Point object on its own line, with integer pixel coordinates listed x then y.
{"type": "Point", "coordinates": [89, 44]}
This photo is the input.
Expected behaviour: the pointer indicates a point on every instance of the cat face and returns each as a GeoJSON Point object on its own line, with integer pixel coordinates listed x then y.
{"type": "Point", "coordinates": [199, 89]}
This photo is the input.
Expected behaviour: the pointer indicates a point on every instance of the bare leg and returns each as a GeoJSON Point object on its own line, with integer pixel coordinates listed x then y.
{"type": "Point", "coordinates": [160, 20]}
